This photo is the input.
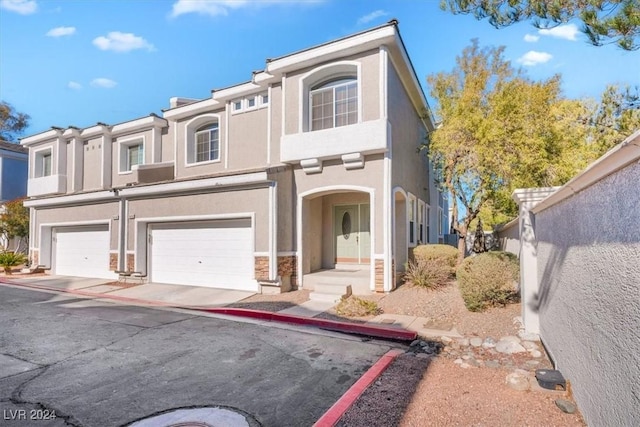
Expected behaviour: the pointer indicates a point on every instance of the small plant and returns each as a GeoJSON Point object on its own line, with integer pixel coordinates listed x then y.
{"type": "Point", "coordinates": [443, 254]}
{"type": "Point", "coordinates": [428, 273]}
{"type": "Point", "coordinates": [10, 259]}
{"type": "Point", "coordinates": [489, 279]}
{"type": "Point", "coordinates": [357, 307]}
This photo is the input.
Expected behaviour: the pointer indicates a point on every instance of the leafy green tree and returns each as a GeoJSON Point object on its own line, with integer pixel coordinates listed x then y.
{"type": "Point", "coordinates": [616, 117]}
{"type": "Point", "coordinates": [499, 129]}
{"type": "Point", "coordinates": [14, 223]}
{"type": "Point", "coordinates": [12, 122]}
{"type": "Point", "coordinates": [604, 21]}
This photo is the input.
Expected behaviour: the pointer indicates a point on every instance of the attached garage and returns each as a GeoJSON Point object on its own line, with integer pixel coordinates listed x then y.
{"type": "Point", "coordinates": [82, 251]}
{"type": "Point", "coordinates": [216, 254]}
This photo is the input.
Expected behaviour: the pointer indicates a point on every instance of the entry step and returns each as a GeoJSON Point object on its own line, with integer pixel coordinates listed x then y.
{"type": "Point", "coordinates": [330, 292]}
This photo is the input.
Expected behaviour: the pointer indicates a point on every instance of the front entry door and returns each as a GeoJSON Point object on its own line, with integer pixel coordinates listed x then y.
{"type": "Point", "coordinates": [352, 234]}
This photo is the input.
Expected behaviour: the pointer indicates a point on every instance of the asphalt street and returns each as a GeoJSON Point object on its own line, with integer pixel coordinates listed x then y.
{"type": "Point", "coordinates": [98, 363]}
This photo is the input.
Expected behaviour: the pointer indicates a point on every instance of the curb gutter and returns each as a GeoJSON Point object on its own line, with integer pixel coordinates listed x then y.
{"type": "Point", "coordinates": [331, 325]}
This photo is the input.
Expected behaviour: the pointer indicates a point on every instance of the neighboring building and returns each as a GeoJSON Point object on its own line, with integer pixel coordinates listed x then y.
{"type": "Point", "coordinates": [13, 181]}
{"type": "Point", "coordinates": [13, 171]}
{"type": "Point", "coordinates": [311, 165]}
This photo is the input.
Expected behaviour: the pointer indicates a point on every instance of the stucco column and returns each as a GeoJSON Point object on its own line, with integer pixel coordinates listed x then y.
{"type": "Point", "coordinates": [527, 198]}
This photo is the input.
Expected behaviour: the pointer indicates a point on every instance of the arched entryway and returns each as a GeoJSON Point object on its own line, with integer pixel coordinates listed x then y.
{"type": "Point", "coordinates": [336, 237]}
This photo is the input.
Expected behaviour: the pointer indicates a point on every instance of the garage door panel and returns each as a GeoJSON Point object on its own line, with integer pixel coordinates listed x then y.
{"type": "Point", "coordinates": [215, 254]}
{"type": "Point", "coordinates": [82, 252]}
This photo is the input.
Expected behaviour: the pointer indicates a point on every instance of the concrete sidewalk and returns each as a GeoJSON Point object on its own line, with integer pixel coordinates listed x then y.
{"type": "Point", "coordinates": [152, 293]}
{"type": "Point", "coordinates": [195, 296]}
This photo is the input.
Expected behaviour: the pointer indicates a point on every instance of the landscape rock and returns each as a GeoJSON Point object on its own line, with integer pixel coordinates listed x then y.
{"type": "Point", "coordinates": [463, 342]}
{"type": "Point", "coordinates": [518, 380]}
{"type": "Point", "coordinates": [465, 365]}
{"type": "Point", "coordinates": [509, 347]}
{"type": "Point", "coordinates": [492, 364]}
{"type": "Point", "coordinates": [458, 361]}
{"type": "Point", "coordinates": [528, 336]}
{"type": "Point", "coordinates": [566, 406]}
{"type": "Point", "coordinates": [475, 341]}
{"type": "Point", "coordinates": [536, 354]}
{"type": "Point", "coordinates": [445, 339]}
{"type": "Point", "coordinates": [488, 343]}
{"type": "Point", "coordinates": [529, 345]}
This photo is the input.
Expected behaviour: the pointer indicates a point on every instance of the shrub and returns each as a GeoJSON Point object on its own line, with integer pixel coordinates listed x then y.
{"type": "Point", "coordinates": [428, 273]}
{"type": "Point", "coordinates": [10, 259]}
{"type": "Point", "coordinates": [357, 307]}
{"type": "Point", "coordinates": [489, 279]}
{"type": "Point", "coordinates": [444, 254]}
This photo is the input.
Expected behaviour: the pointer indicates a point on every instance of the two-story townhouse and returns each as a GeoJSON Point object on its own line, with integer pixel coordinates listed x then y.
{"type": "Point", "coordinates": [312, 165]}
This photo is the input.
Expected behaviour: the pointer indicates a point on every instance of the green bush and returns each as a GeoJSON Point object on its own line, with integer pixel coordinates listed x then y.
{"type": "Point", "coordinates": [444, 254]}
{"type": "Point", "coordinates": [428, 273]}
{"type": "Point", "coordinates": [10, 259]}
{"type": "Point", "coordinates": [488, 279]}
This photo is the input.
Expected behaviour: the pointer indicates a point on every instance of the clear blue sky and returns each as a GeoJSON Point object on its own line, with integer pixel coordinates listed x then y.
{"type": "Point", "coordinates": [77, 62]}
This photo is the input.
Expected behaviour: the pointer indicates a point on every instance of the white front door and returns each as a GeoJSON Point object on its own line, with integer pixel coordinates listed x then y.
{"type": "Point", "coordinates": [352, 234]}
{"type": "Point", "coordinates": [82, 251]}
{"type": "Point", "coordinates": [216, 254]}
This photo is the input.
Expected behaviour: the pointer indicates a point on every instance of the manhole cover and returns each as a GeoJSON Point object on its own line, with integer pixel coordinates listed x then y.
{"type": "Point", "coordinates": [199, 417]}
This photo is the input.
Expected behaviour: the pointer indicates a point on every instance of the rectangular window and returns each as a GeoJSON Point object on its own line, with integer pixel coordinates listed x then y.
{"type": "Point", "coordinates": [440, 221]}
{"type": "Point", "coordinates": [264, 99]}
{"type": "Point", "coordinates": [207, 145]}
{"type": "Point", "coordinates": [135, 156]}
{"type": "Point", "coordinates": [251, 102]}
{"type": "Point", "coordinates": [237, 105]}
{"type": "Point", "coordinates": [334, 106]}
{"type": "Point", "coordinates": [46, 164]}
{"type": "Point", "coordinates": [412, 221]}
{"type": "Point", "coordinates": [421, 223]}
{"type": "Point", "coordinates": [428, 222]}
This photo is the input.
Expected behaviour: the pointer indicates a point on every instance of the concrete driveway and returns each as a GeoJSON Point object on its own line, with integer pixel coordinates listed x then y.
{"type": "Point", "coordinates": [97, 363]}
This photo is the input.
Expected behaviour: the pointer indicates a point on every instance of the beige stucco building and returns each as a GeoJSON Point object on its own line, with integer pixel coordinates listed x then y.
{"type": "Point", "coordinates": [311, 165]}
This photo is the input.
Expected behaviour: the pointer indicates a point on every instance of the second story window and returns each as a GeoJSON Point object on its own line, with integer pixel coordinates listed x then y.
{"type": "Point", "coordinates": [207, 143]}
{"type": "Point", "coordinates": [135, 156]}
{"type": "Point", "coordinates": [43, 164]}
{"type": "Point", "coordinates": [334, 104]}
{"type": "Point", "coordinates": [131, 153]}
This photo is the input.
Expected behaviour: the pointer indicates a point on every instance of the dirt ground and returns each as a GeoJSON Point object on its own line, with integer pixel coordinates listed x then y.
{"type": "Point", "coordinates": [416, 391]}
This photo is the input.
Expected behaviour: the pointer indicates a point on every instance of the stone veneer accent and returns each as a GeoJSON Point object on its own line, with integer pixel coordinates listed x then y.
{"type": "Point", "coordinates": [261, 266]}
{"type": "Point", "coordinates": [379, 275]}
{"type": "Point", "coordinates": [113, 262]}
{"type": "Point", "coordinates": [131, 262]}
{"type": "Point", "coordinates": [35, 258]}
{"type": "Point", "coordinates": [287, 270]}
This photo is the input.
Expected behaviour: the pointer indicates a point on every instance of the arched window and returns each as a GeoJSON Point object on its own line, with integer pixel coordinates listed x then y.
{"type": "Point", "coordinates": [207, 143]}
{"type": "Point", "coordinates": [334, 103]}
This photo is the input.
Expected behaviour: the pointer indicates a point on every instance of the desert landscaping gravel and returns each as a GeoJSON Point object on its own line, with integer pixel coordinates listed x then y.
{"type": "Point", "coordinates": [461, 386]}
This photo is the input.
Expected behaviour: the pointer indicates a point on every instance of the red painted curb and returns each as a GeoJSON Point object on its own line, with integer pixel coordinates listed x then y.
{"type": "Point", "coordinates": [333, 415]}
{"type": "Point", "coordinates": [332, 325]}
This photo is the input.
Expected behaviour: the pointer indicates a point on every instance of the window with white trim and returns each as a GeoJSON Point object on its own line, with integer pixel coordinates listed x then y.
{"type": "Point", "coordinates": [421, 239]}
{"type": "Point", "coordinates": [412, 220]}
{"type": "Point", "coordinates": [131, 154]}
{"type": "Point", "coordinates": [237, 105]}
{"type": "Point", "coordinates": [334, 103]}
{"type": "Point", "coordinates": [440, 222]}
{"type": "Point", "coordinates": [207, 143]}
{"type": "Point", "coordinates": [428, 219]}
{"type": "Point", "coordinates": [43, 166]}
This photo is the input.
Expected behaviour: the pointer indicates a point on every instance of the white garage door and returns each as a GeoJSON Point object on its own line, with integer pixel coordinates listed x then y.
{"type": "Point", "coordinates": [213, 254]}
{"type": "Point", "coordinates": [82, 251]}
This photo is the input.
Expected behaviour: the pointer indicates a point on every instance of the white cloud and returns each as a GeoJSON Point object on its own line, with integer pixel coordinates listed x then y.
{"type": "Point", "coordinates": [567, 32]}
{"type": "Point", "coordinates": [103, 82]}
{"type": "Point", "coordinates": [61, 31]}
{"type": "Point", "coordinates": [122, 42]}
{"type": "Point", "coordinates": [222, 7]}
{"type": "Point", "coordinates": [533, 57]}
{"type": "Point", "coordinates": [23, 7]}
{"type": "Point", "coordinates": [371, 16]}
{"type": "Point", "coordinates": [530, 38]}
{"type": "Point", "coordinates": [74, 85]}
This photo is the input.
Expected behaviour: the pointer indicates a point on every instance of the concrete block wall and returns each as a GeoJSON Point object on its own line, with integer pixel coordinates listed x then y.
{"type": "Point", "coordinates": [584, 252]}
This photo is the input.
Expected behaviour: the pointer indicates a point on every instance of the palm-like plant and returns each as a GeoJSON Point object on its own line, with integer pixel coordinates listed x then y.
{"type": "Point", "coordinates": [10, 259]}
